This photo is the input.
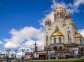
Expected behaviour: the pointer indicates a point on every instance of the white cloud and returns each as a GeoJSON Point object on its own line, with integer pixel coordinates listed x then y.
{"type": "Point", "coordinates": [19, 37]}
{"type": "Point", "coordinates": [30, 44]}
{"type": "Point", "coordinates": [71, 7]}
{"type": "Point", "coordinates": [28, 34]}
{"type": "Point", "coordinates": [24, 33]}
{"type": "Point", "coordinates": [77, 3]}
{"type": "Point", "coordinates": [58, 4]}
{"type": "Point", "coordinates": [1, 42]}
{"type": "Point", "coordinates": [10, 45]}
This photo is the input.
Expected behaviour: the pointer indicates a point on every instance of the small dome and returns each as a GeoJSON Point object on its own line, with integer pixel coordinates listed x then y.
{"type": "Point", "coordinates": [60, 9]}
{"type": "Point", "coordinates": [77, 35]}
{"type": "Point", "coordinates": [47, 20]}
{"type": "Point", "coordinates": [67, 13]}
{"type": "Point", "coordinates": [57, 33]}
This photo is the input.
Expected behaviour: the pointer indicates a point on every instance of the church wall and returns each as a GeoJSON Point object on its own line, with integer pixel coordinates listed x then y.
{"type": "Point", "coordinates": [66, 27]}
{"type": "Point", "coordinates": [63, 29]}
{"type": "Point", "coordinates": [70, 26]}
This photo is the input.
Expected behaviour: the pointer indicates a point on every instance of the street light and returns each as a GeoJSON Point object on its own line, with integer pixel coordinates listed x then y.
{"type": "Point", "coordinates": [7, 56]}
{"type": "Point", "coordinates": [15, 53]}
{"type": "Point", "coordinates": [8, 51]}
{"type": "Point", "coordinates": [22, 54]}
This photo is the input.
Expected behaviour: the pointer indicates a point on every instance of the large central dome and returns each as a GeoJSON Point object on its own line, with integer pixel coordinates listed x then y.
{"type": "Point", "coordinates": [60, 9]}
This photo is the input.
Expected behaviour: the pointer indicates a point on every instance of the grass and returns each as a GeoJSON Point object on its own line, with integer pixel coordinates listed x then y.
{"type": "Point", "coordinates": [50, 61]}
{"type": "Point", "coordinates": [56, 61]}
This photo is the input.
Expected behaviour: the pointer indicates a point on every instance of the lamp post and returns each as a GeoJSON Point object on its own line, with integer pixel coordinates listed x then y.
{"type": "Point", "coordinates": [31, 54]}
{"type": "Point", "coordinates": [22, 54]}
{"type": "Point", "coordinates": [15, 53]}
{"type": "Point", "coordinates": [7, 56]}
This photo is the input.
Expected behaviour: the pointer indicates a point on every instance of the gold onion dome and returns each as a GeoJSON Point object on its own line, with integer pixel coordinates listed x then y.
{"type": "Point", "coordinates": [77, 35]}
{"type": "Point", "coordinates": [59, 9]}
{"type": "Point", "coordinates": [48, 20]}
{"type": "Point", "coordinates": [57, 33]}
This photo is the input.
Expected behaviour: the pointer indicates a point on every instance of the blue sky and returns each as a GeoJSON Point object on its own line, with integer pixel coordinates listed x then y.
{"type": "Point", "coordinates": [19, 15]}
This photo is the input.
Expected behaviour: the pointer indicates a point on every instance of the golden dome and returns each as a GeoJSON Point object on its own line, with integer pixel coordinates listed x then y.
{"type": "Point", "coordinates": [59, 9]}
{"type": "Point", "coordinates": [48, 20]}
{"type": "Point", "coordinates": [57, 33]}
{"type": "Point", "coordinates": [77, 35]}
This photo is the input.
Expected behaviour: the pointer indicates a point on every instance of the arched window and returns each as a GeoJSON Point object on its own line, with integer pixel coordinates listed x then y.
{"type": "Point", "coordinates": [59, 39]}
{"type": "Point", "coordinates": [55, 16]}
{"type": "Point", "coordinates": [46, 39]}
{"type": "Point", "coordinates": [54, 40]}
{"type": "Point", "coordinates": [55, 48]}
{"type": "Point", "coordinates": [80, 40]}
{"type": "Point", "coordinates": [58, 15]}
{"type": "Point", "coordinates": [69, 37]}
{"type": "Point", "coordinates": [60, 48]}
{"type": "Point", "coordinates": [61, 15]}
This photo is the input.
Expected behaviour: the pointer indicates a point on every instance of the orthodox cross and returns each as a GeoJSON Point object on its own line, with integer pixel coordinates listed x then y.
{"type": "Point", "coordinates": [35, 46]}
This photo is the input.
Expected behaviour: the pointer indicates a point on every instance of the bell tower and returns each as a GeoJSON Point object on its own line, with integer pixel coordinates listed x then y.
{"type": "Point", "coordinates": [47, 27]}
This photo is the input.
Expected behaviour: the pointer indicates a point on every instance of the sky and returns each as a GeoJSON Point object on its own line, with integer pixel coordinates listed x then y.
{"type": "Point", "coordinates": [22, 21]}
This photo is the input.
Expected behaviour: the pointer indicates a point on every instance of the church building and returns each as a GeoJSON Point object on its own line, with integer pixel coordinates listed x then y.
{"type": "Point", "coordinates": [61, 36]}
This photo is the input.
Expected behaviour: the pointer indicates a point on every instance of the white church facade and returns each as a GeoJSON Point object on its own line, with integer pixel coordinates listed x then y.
{"type": "Point", "coordinates": [61, 36]}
